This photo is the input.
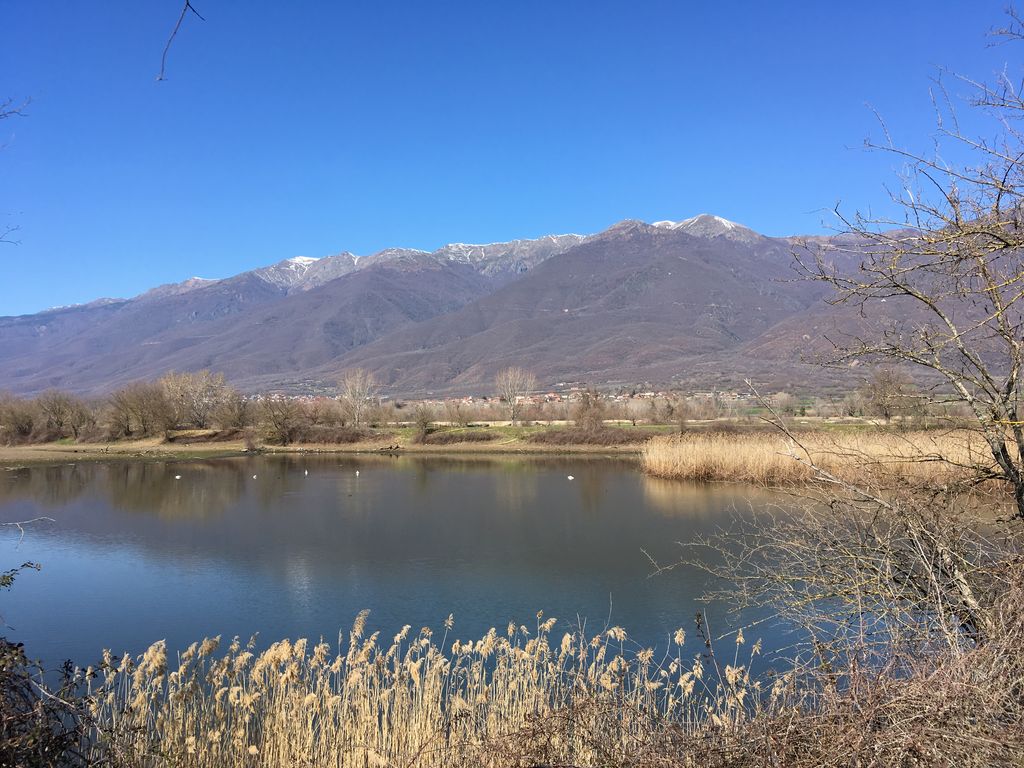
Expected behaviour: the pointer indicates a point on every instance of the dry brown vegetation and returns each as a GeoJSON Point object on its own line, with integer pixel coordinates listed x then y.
{"type": "Point", "coordinates": [589, 435]}
{"type": "Point", "coordinates": [527, 697]}
{"type": "Point", "coordinates": [456, 436]}
{"type": "Point", "coordinates": [415, 701]}
{"type": "Point", "coordinates": [767, 458]}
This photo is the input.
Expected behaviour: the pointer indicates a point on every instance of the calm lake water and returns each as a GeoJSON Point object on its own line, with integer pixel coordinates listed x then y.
{"type": "Point", "coordinates": [297, 546]}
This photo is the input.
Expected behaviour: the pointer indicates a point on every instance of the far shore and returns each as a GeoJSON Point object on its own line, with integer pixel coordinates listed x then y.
{"type": "Point", "coordinates": [733, 448]}
{"type": "Point", "coordinates": [161, 450]}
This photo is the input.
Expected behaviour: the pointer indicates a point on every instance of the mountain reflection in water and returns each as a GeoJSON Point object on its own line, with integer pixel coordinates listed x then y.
{"type": "Point", "coordinates": [135, 555]}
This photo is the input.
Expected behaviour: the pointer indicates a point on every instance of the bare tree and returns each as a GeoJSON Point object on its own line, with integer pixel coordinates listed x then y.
{"type": "Point", "coordinates": [785, 403]}
{"type": "Point", "coordinates": [852, 404]}
{"type": "Point", "coordinates": [512, 384]}
{"type": "Point", "coordinates": [194, 397]}
{"type": "Point", "coordinates": [423, 419]}
{"type": "Point", "coordinates": [900, 570]}
{"type": "Point", "coordinates": [456, 413]}
{"type": "Point", "coordinates": [358, 393]}
{"type": "Point", "coordinates": [634, 409]}
{"type": "Point", "coordinates": [18, 418]}
{"type": "Point", "coordinates": [56, 408]}
{"type": "Point", "coordinates": [63, 415]}
{"type": "Point", "coordinates": [887, 393]}
{"type": "Point", "coordinates": [940, 288]}
{"type": "Point", "coordinates": [590, 411]}
{"type": "Point", "coordinates": [235, 411]}
{"type": "Point", "coordinates": [872, 574]}
{"type": "Point", "coordinates": [283, 418]}
{"type": "Point", "coordinates": [139, 410]}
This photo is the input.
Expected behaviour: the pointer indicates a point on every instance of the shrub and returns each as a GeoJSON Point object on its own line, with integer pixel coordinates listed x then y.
{"type": "Point", "coordinates": [423, 419]}
{"type": "Point", "coordinates": [37, 729]}
{"type": "Point", "coordinates": [589, 436]}
{"type": "Point", "coordinates": [339, 435]}
{"type": "Point", "coordinates": [590, 414]}
{"type": "Point", "coordinates": [17, 419]}
{"type": "Point", "coordinates": [453, 436]}
{"type": "Point", "coordinates": [208, 436]}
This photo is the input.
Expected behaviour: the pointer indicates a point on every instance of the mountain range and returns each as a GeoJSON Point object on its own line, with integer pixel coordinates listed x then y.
{"type": "Point", "coordinates": [699, 303]}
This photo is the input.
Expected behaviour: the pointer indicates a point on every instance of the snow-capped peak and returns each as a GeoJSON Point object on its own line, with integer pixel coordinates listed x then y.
{"type": "Point", "coordinates": [709, 225]}
{"type": "Point", "coordinates": [300, 273]}
{"type": "Point", "coordinates": [708, 220]}
{"type": "Point", "coordinates": [509, 257]}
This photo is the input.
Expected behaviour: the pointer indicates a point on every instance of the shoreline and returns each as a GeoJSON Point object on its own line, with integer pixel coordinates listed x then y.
{"type": "Point", "coordinates": [702, 453]}
{"type": "Point", "coordinates": [160, 450]}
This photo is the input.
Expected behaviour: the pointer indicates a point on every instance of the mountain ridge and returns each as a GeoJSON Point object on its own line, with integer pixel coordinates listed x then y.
{"type": "Point", "coordinates": [638, 301]}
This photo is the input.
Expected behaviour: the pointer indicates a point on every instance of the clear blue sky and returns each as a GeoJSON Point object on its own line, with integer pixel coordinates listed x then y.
{"type": "Point", "coordinates": [308, 128]}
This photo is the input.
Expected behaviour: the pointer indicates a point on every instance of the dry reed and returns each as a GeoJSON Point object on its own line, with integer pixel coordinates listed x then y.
{"type": "Point", "coordinates": [519, 698]}
{"type": "Point", "coordinates": [499, 700]}
{"type": "Point", "coordinates": [774, 459]}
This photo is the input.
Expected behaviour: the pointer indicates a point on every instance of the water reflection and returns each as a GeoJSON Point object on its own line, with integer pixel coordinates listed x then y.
{"type": "Point", "coordinates": [298, 544]}
{"type": "Point", "coordinates": [47, 486]}
{"type": "Point", "coordinates": [700, 500]}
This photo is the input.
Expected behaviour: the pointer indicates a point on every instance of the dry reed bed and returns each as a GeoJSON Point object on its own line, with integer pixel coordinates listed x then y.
{"type": "Point", "coordinates": [520, 699]}
{"type": "Point", "coordinates": [774, 459]}
{"type": "Point", "coordinates": [414, 702]}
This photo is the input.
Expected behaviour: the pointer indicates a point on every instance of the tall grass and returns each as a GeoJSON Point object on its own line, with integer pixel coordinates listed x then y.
{"type": "Point", "coordinates": [520, 695]}
{"type": "Point", "coordinates": [524, 698]}
{"type": "Point", "coordinates": [773, 459]}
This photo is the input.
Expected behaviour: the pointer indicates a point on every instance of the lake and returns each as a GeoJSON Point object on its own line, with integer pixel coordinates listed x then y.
{"type": "Point", "coordinates": [297, 545]}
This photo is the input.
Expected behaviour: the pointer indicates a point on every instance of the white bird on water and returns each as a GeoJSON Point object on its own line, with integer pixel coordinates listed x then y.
{"type": "Point", "coordinates": [254, 477]}
{"type": "Point", "coordinates": [305, 472]}
{"type": "Point", "coordinates": [357, 473]}
{"type": "Point", "coordinates": [570, 477]}
{"type": "Point", "coordinates": [177, 477]}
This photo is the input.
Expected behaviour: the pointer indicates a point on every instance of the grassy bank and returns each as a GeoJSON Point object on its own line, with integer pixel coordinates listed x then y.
{"type": "Point", "coordinates": [496, 438]}
{"type": "Point", "coordinates": [766, 458]}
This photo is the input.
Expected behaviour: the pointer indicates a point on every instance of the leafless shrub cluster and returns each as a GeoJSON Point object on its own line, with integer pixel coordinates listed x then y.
{"type": "Point", "coordinates": [51, 416]}
{"type": "Point", "coordinates": [906, 583]}
{"type": "Point", "coordinates": [198, 406]}
{"type": "Point", "coordinates": [576, 435]}
{"type": "Point", "coordinates": [456, 436]}
{"type": "Point", "coordinates": [939, 290]}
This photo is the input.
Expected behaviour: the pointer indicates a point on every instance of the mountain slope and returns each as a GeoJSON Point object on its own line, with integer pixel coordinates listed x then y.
{"type": "Point", "coordinates": [292, 336]}
{"type": "Point", "coordinates": [701, 302]}
{"type": "Point", "coordinates": [293, 315]}
{"type": "Point", "coordinates": [631, 304]}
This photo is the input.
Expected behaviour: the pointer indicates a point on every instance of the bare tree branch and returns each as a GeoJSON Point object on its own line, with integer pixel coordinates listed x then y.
{"type": "Point", "coordinates": [174, 33]}
{"type": "Point", "coordinates": [20, 525]}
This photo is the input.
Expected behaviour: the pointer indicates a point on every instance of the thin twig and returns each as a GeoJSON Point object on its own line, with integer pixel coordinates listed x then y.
{"type": "Point", "coordinates": [20, 525]}
{"type": "Point", "coordinates": [174, 33]}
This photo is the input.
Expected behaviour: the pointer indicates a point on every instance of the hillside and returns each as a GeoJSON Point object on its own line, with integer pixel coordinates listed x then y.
{"type": "Point", "coordinates": [702, 301]}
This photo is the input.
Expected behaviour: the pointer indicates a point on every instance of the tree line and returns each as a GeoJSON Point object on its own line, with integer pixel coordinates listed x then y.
{"type": "Point", "coordinates": [201, 400]}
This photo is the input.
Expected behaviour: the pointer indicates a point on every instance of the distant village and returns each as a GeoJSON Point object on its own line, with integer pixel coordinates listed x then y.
{"type": "Point", "coordinates": [624, 404]}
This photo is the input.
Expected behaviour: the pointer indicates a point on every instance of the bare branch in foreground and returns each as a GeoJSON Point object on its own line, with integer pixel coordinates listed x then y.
{"type": "Point", "coordinates": [20, 525]}
{"type": "Point", "coordinates": [174, 33]}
